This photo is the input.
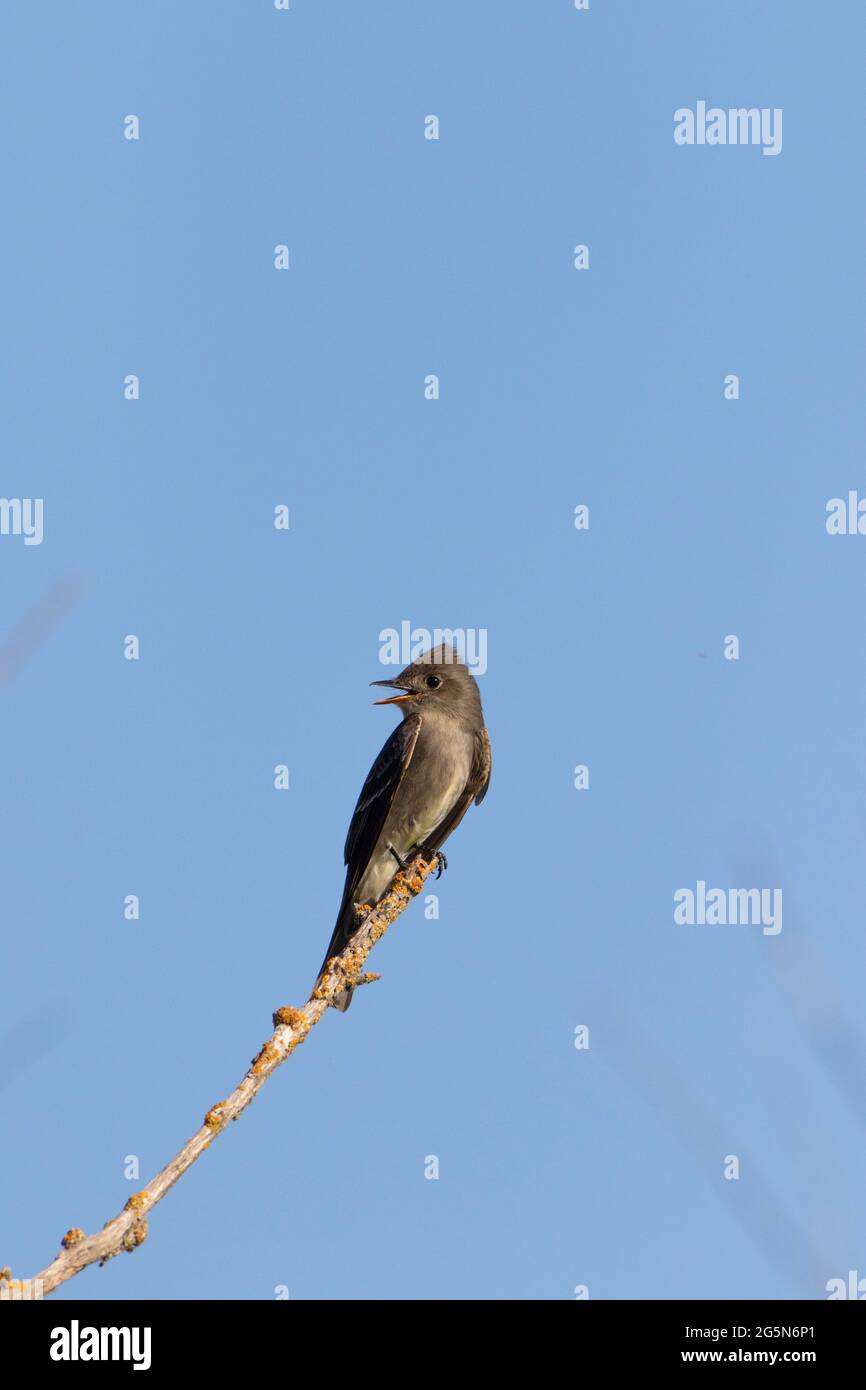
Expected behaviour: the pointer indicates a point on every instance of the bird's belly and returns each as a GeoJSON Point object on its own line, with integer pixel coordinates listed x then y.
{"type": "Point", "coordinates": [414, 823]}
{"type": "Point", "coordinates": [410, 824]}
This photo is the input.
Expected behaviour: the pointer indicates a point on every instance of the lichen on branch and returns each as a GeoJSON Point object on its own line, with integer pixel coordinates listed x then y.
{"type": "Point", "coordinates": [292, 1026]}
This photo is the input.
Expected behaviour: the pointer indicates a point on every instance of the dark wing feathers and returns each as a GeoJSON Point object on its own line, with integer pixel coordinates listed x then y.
{"type": "Point", "coordinates": [376, 796]}
{"type": "Point", "coordinates": [482, 766]}
{"type": "Point", "coordinates": [374, 803]}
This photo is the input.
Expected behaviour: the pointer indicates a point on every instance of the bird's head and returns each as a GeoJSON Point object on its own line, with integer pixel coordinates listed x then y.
{"type": "Point", "coordinates": [437, 681]}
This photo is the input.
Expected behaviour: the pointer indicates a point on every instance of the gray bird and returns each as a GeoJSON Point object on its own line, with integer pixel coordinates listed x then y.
{"type": "Point", "coordinates": [434, 765]}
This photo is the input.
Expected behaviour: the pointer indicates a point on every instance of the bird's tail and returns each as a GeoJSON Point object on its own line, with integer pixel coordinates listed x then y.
{"type": "Point", "coordinates": [345, 926]}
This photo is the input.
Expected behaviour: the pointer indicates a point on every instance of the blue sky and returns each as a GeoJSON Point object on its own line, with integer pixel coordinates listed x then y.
{"type": "Point", "coordinates": [558, 1167]}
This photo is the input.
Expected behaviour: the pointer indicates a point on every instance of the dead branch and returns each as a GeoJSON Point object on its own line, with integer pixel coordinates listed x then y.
{"type": "Point", "coordinates": [291, 1027]}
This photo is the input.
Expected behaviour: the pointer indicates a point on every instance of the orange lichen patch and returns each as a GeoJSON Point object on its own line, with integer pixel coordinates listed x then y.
{"type": "Point", "coordinates": [419, 871]}
{"type": "Point", "coordinates": [214, 1119]}
{"type": "Point", "coordinates": [137, 1202]}
{"type": "Point", "coordinates": [345, 970]}
{"type": "Point", "coordinates": [269, 1053]}
{"type": "Point", "coordinates": [73, 1237]}
{"type": "Point", "coordinates": [135, 1236]}
{"type": "Point", "coordinates": [288, 1017]}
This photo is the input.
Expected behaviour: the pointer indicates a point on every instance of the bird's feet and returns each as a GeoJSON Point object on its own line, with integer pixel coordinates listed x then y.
{"type": "Point", "coordinates": [419, 850]}
{"type": "Point", "coordinates": [430, 855]}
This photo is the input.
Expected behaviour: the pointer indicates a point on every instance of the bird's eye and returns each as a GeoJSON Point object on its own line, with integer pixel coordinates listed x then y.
{"type": "Point", "coordinates": [433, 682]}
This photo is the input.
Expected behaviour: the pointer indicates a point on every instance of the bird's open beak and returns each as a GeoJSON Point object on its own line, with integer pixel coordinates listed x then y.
{"type": "Point", "coordinates": [393, 699]}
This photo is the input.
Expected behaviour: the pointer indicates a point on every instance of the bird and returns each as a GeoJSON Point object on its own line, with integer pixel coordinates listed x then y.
{"type": "Point", "coordinates": [427, 775]}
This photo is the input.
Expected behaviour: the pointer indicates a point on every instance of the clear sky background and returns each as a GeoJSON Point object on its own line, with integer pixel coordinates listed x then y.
{"type": "Point", "coordinates": [558, 1167]}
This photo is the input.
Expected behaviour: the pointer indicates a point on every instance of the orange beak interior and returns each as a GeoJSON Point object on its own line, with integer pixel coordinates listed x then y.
{"type": "Point", "coordinates": [395, 699]}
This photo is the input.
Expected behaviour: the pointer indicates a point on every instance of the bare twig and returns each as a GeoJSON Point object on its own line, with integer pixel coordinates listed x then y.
{"type": "Point", "coordinates": [291, 1027]}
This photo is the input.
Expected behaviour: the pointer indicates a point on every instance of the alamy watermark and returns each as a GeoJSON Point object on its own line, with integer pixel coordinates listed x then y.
{"type": "Point", "coordinates": [22, 516]}
{"type": "Point", "coordinates": [400, 647]}
{"type": "Point", "coordinates": [736, 125]}
{"type": "Point", "coordinates": [721, 907]}
{"type": "Point", "coordinates": [77, 1343]}
{"type": "Point", "coordinates": [846, 516]}
{"type": "Point", "coordinates": [851, 1287]}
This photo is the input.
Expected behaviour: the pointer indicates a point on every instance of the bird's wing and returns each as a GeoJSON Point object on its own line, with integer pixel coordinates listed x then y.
{"type": "Point", "coordinates": [482, 766]}
{"type": "Point", "coordinates": [377, 794]}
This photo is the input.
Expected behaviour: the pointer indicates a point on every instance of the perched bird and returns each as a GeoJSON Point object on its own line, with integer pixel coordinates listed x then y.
{"type": "Point", "coordinates": [431, 769]}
